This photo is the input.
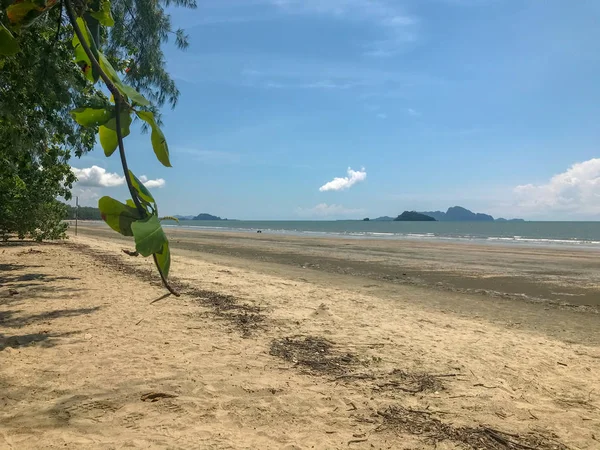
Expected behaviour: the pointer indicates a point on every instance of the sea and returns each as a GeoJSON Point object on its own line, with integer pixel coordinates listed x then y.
{"type": "Point", "coordinates": [573, 234]}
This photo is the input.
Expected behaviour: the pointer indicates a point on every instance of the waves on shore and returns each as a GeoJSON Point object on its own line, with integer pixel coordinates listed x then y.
{"type": "Point", "coordinates": [475, 238]}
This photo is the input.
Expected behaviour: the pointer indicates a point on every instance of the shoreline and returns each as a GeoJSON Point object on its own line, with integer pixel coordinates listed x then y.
{"type": "Point", "coordinates": [495, 241]}
{"type": "Point", "coordinates": [566, 278]}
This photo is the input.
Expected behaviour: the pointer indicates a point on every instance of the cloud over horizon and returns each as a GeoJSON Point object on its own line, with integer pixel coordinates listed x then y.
{"type": "Point", "coordinates": [98, 177]}
{"type": "Point", "coordinates": [342, 183]}
{"type": "Point", "coordinates": [577, 191]}
{"type": "Point", "coordinates": [158, 183]}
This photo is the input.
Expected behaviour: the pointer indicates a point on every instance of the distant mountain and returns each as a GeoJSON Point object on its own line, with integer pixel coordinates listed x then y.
{"type": "Point", "coordinates": [205, 216]}
{"type": "Point", "coordinates": [460, 214]}
{"type": "Point", "coordinates": [184, 217]}
{"type": "Point", "coordinates": [413, 216]}
{"type": "Point", "coordinates": [384, 219]}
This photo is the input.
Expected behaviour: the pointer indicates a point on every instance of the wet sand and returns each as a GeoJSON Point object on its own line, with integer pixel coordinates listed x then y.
{"type": "Point", "coordinates": [553, 290]}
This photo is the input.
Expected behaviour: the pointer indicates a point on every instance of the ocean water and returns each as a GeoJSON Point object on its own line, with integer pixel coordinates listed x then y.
{"type": "Point", "coordinates": [576, 234]}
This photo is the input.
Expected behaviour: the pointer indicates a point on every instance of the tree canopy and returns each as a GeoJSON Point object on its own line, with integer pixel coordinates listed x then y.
{"type": "Point", "coordinates": [40, 85]}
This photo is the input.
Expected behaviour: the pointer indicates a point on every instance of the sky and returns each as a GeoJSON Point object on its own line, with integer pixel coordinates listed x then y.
{"type": "Point", "coordinates": [334, 109]}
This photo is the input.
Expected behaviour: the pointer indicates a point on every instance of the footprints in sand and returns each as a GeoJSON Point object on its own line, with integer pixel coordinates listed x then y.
{"type": "Point", "coordinates": [80, 407]}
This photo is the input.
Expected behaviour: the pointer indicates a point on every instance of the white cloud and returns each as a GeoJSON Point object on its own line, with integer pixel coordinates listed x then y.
{"type": "Point", "coordinates": [158, 183]}
{"type": "Point", "coordinates": [339, 184]}
{"type": "Point", "coordinates": [323, 210]}
{"type": "Point", "coordinates": [97, 177]}
{"type": "Point", "coordinates": [575, 191]}
{"type": "Point", "coordinates": [86, 196]}
{"type": "Point", "coordinates": [413, 112]}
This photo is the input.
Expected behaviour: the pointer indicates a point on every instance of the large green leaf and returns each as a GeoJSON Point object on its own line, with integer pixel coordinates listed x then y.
{"type": "Point", "coordinates": [117, 215]}
{"type": "Point", "coordinates": [81, 57]}
{"type": "Point", "coordinates": [149, 236]}
{"type": "Point", "coordinates": [163, 260]}
{"type": "Point", "coordinates": [103, 15]}
{"type": "Point", "coordinates": [92, 117]}
{"type": "Point", "coordinates": [159, 143]}
{"type": "Point", "coordinates": [144, 194]}
{"type": "Point", "coordinates": [127, 91]}
{"type": "Point", "coordinates": [8, 44]}
{"type": "Point", "coordinates": [108, 133]}
{"type": "Point", "coordinates": [134, 95]}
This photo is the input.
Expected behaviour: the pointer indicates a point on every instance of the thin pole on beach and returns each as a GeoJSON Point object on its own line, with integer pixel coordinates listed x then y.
{"type": "Point", "coordinates": [76, 213]}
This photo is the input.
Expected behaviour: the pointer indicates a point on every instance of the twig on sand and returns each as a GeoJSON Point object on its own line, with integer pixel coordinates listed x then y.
{"type": "Point", "coordinates": [359, 376]}
{"type": "Point", "coordinates": [356, 441]}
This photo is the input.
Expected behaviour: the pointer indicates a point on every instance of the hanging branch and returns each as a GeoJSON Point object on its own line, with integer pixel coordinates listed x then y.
{"type": "Point", "coordinates": [119, 102]}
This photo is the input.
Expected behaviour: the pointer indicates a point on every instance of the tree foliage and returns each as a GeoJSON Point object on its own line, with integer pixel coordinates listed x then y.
{"type": "Point", "coordinates": [135, 45]}
{"type": "Point", "coordinates": [38, 86]}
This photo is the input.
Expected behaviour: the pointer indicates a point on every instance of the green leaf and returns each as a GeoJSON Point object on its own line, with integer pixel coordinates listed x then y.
{"type": "Point", "coordinates": [91, 117]}
{"type": "Point", "coordinates": [159, 143]}
{"type": "Point", "coordinates": [143, 193]}
{"type": "Point", "coordinates": [149, 236]}
{"type": "Point", "coordinates": [134, 95]}
{"type": "Point", "coordinates": [175, 219]}
{"type": "Point", "coordinates": [103, 15]}
{"type": "Point", "coordinates": [108, 133]}
{"type": "Point", "coordinates": [130, 202]}
{"type": "Point", "coordinates": [8, 44]}
{"type": "Point", "coordinates": [81, 57]}
{"type": "Point", "coordinates": [108, 68]}
{"type": "Point", "coordinates": [127, 91]}
{"type": "Point", "coordinates": [163, 260]}
{"type": "Point", "coordinates": [117, 215]}
{"type": "Point", "coordinates": [24, 13]}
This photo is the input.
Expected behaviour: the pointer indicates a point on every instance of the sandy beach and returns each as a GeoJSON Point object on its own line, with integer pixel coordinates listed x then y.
{"type": "Point", "coordinates": [282, 342]}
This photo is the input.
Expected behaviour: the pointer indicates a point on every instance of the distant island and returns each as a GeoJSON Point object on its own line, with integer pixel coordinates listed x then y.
{"type": "Point", "coordinates": [384, 219]}
{"type": "Point", "coordinates": [201, 216]}
{"type": "Point", "coordinates": [413, 216]}
{"type": "Point", "coordinates": [460, 214]}
{"type": "Point", "coordinates": [455, 214]}
{"type": "Point", "coordinates": [205, 216]}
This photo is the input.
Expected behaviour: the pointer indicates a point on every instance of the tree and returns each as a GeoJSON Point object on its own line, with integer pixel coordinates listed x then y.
{"type": "Point", "coordinates": [38, 87]}
{"type": "Point", "coordinates": [135, 41]}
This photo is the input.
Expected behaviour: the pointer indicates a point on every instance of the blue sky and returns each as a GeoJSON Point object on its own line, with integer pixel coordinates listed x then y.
{"type": "Point", "coordinates": [489, 104]}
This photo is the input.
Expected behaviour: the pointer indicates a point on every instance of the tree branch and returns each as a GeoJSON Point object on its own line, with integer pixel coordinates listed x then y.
{"type": "Point", "coordinates": [119, 100]}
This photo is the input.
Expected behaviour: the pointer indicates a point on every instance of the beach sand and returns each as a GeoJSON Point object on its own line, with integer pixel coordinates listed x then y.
{"type": "Point", "coordinates": [296, 343]}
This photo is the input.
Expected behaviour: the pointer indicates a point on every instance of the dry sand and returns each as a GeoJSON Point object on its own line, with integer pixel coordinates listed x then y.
{"type": "Point", "coordinates": [261, 352]}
